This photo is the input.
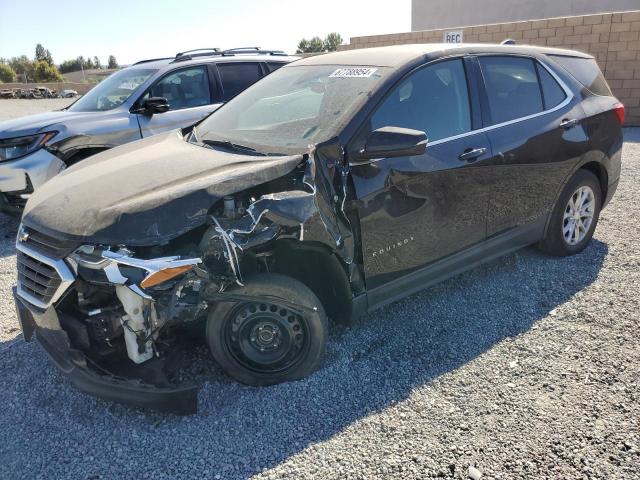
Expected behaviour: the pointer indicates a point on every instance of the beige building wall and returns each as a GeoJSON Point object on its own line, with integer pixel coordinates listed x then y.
{"type": "Point", "coordinates": [612, 38]}
{"type": "Point", "coordinates": [429, 14]}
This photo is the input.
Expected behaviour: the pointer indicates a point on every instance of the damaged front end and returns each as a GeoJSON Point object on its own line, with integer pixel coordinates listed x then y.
{"type": "Point", "coordinates": [121, 319]}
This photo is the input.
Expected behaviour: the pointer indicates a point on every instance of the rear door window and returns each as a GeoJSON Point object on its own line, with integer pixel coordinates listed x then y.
{"type": "Point", "coordinates": [512, 87]}
{"type": "Point", "coordinates": [586, 71]}
{"type": "Point", "coordinates": [236, 77]}
{"type": "Point", "coordinates": [435, 100]}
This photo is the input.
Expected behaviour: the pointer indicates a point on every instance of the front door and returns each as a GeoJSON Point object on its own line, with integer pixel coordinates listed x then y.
{"type": "Point", "coordinates": [189, 94]}
{"type": "Point", "coordinates": [418, 209]}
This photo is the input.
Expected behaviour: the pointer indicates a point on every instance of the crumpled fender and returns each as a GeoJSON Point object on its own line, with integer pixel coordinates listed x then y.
{"type": "Point", "coordinates": [315, 214]}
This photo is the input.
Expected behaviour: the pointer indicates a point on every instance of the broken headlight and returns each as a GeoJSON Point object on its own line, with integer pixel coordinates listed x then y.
{"type": "Point", "coordinates": [102, 265]}
{"type": "Point", "coordinates": [12, 148]}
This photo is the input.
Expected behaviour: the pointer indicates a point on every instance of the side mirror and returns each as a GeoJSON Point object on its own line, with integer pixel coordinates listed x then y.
{"type": "Point", "coordinates": [154, 105]}
{"type": "Point", "coordinates": [394, 142]}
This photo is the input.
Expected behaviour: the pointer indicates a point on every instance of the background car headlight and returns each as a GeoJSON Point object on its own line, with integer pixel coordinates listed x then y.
{"type": "Point", "coordinates": [12, 148]}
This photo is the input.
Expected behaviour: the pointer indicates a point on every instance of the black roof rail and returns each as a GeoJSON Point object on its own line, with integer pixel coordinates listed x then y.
{"type": "Point", "coordinates": [151, 60]}
{"type": "Point", "coordinates": [189, 54]}
{"type": "Point", "coordinates": [210, 52]}
{"type": "Point", "coordinates": [255, 50]}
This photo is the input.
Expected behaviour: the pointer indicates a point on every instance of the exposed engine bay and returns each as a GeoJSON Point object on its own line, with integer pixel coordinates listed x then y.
{"type": "Point", "coordinates": [136, 311]}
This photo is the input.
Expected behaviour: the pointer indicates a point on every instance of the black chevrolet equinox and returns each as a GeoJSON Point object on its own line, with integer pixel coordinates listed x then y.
{"type": "Point", "coordinates": [333, 186]}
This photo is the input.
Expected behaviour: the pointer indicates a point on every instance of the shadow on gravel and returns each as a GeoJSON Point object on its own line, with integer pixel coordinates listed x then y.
{"type": "Point", "coordinates": [239, 431]}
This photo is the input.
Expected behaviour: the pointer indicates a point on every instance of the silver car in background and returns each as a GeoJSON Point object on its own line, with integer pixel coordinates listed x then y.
{"type": "Point", "coordinates": [147, 98]}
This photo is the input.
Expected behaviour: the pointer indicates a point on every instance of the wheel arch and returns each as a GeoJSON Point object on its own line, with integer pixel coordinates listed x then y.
{"type": "Point", "coordinates": [315, 265]}
{"type": "Point", "coordinates": [593, 166]}
{"type": "Point", "coordinates": [81, 154]}
{"type": "Point", "coordinates": [599, 170]}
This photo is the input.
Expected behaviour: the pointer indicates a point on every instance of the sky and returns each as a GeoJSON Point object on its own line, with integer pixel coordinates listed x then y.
{"type": "Point", "coordinates": [138, 29]}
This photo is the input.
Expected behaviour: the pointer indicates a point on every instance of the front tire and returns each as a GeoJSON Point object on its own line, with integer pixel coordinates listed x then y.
{"type": "Point", "coordinates": [574, 216]}
{"type": "Point", "coordinates": [265, 341]}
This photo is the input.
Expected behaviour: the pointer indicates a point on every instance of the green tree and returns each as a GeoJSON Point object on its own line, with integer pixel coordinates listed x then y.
{"type": "Point", "coordinates": [20, 64]}
{"type": "Point", "coordinates": [43, 55]}
{"type": "Point", "coordinates": [311, 46]}
{"type": "Point", "coordinates": [303, 46]}
{"type": "Point", "coordinates": [40, 52]}
{"type": "Point", "coordinates": [41, 71]}
{"type": "Point", "coordinates": [96, 63]}
{"type": "Point", "coordinates": [316, 45]}
{"type": "Point", "coordinates": [69, 66]}
{"type": "Point", "coordinates": [112, 62]}
{"type": "Point", "coordinates": [332, 41]}
{"type": "Point", "coordinates": [7, 74]}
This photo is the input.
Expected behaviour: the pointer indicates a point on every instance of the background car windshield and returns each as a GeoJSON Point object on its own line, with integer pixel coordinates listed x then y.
{"type": "Point", "coordinates": [113, 91]}
{"type": "Point", "coordinates": [293, 107]}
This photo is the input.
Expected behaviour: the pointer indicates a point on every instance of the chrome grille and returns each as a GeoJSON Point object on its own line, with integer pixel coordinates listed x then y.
{"type": "Point", "coordinates": [41, 280]}
{"type": "Point", "coordinates": [37, 278]}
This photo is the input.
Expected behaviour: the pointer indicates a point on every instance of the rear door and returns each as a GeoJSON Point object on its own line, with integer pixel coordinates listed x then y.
{"type": "Point", "coordinates": [415, 210]}
{"type": "Point", "coordinates": [534, 125]}
{"type": "Point", "coordinates": [191, 93]}
{"type": "Point", "coordinates": [235, 77]}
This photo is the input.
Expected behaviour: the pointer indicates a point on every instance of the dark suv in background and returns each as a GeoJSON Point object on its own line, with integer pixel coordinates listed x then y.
{"type": "Point", "coordinates": [149, 97]}
{"type": "Point", "coordinates": [337, 184]}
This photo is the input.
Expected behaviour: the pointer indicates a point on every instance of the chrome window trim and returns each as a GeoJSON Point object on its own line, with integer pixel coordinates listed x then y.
{"type": "Point", "coordinates": [66, 277]}
{"type": "Point", "coordinates": [569, 97]}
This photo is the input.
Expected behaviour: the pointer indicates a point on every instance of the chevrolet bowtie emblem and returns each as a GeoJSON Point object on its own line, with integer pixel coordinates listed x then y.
{"type": "Point", "coordinates": [22, 235]}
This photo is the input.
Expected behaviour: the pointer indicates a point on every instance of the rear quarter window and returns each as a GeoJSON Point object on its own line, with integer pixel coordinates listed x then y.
{"type": "Point", "coordinates": [273, 66]}
{"type": "Point", "coordinates": [586, 71]}
{"type": "Point", "coordinates": [552, 93]}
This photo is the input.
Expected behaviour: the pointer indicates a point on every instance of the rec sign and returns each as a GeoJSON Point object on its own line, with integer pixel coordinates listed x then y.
{"type": "Point", "coordinates": [453, 36]}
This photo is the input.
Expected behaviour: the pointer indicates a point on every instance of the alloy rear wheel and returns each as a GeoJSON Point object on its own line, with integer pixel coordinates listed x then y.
{"type": "Point", "coordinates": [574, 216]}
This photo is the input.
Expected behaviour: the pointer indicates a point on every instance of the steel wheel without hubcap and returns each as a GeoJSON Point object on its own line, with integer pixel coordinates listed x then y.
{"type": "Point", "coordinates": [265, 338]}
{"type": "Point", "coordinates": [578, 215]}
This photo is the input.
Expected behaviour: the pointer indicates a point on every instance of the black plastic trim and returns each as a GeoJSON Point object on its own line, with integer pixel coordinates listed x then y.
{"type": "Point", "coordinates": [180, 401]}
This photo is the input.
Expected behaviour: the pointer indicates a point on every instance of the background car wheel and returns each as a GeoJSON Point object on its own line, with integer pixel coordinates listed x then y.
{"type": "Point", "coordinates": [575, 216]}
{"type": "Point", "coordinates": [264, 342]}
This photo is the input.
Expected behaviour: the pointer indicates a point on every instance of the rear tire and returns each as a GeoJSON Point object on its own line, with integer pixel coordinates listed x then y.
{"type": "Point", "coordinates": [264, 341]}
{"type": "Point", "coordinates": [574, 216]}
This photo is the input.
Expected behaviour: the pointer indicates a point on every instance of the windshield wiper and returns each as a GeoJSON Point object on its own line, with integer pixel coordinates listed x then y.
{"type": "Point", "coordinates": [232, 146]}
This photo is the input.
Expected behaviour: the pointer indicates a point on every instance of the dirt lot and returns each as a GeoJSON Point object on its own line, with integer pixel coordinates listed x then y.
{"type": "Point", "coordinates": [525, 368]}
{"type": "Point", "coordinates": [19, 107]}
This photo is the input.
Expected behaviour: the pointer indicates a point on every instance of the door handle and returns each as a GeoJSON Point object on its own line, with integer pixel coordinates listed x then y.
{"type": "Point", "coordinates": [471, 154]}
{"type": "Point", "coordinates": [569, 123]}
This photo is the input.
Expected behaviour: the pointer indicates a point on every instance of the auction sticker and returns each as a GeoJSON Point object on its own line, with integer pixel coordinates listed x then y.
{"type": "Point", "coordinates": [353, 72]}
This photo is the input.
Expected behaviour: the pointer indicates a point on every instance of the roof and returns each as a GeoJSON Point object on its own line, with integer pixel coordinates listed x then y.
{"type": "Point", "coordinates": [163, 62]}
{"type": "Point", "coordinates": [398, 55]}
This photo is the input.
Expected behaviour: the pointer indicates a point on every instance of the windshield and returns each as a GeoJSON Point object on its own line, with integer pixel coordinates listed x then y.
{"type": "Point", "coordinates": [292, 108]}
{"type": "Point", "coordinates": [112, 91]}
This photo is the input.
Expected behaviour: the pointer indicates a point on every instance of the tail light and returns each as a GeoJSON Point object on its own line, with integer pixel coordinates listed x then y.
{"type": "Point", "coordinates": [618, 109]}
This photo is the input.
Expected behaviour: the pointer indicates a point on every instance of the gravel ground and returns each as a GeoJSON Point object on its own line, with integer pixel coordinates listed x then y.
{"type": "Point", "coordinates": [525, 368]}
{"type": "Point", "coordinates": [19, 107]}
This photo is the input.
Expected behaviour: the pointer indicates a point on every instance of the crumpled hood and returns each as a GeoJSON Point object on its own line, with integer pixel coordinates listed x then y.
{"type": "Point", "coordinates": [145, 192]}
{"type": "Point", "coordinates": [32, 124]}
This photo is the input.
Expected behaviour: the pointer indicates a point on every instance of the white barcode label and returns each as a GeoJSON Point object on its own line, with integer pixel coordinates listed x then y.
{"type": "Point", "coordinates": [353, 72]}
